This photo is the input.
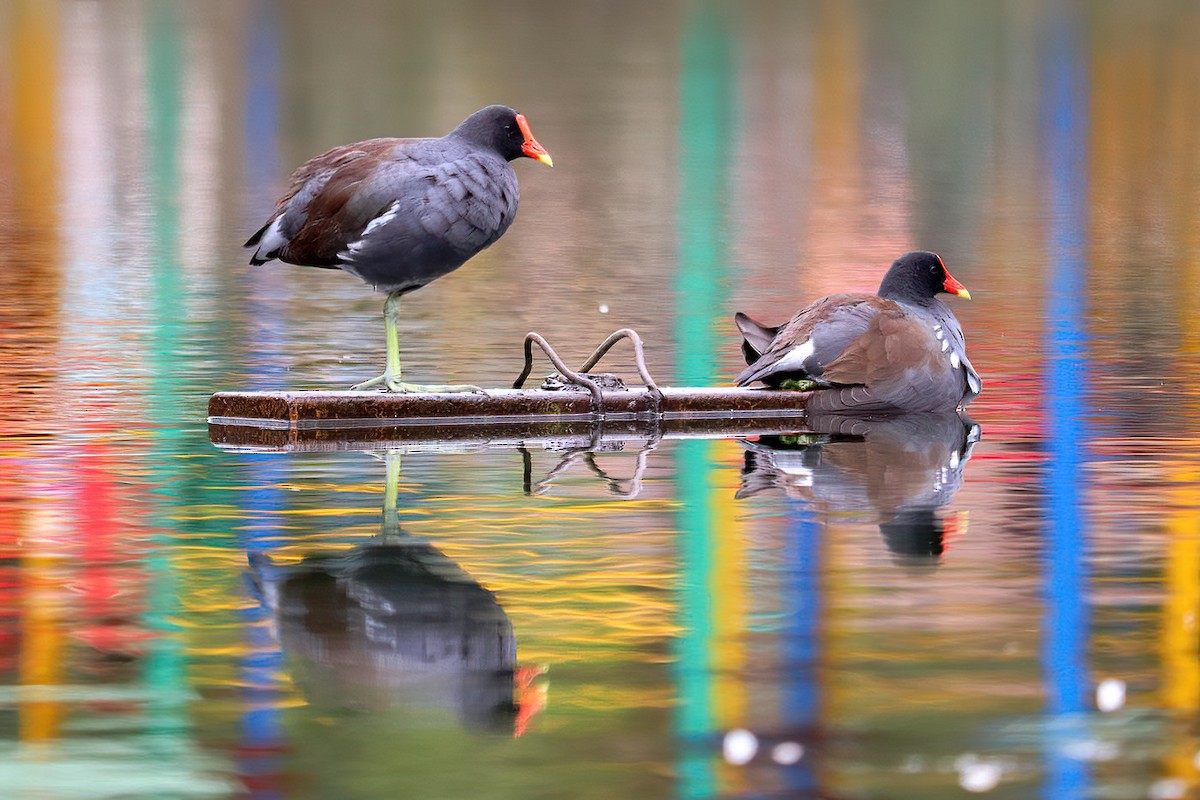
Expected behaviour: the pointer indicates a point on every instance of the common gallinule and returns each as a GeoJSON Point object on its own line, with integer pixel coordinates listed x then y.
{"type": "Point", "coordinates": [896, 351]}
{"type": "Point", "coordinates": [902, 469]}
{"type": "Point", "coordinates": [399, 213]}
{"type": "Point", "coordinates": [388, 625]}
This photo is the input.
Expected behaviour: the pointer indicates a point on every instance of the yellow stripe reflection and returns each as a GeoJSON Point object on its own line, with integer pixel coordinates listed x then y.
{"type": "Point", "coordinates": [1181, 619]}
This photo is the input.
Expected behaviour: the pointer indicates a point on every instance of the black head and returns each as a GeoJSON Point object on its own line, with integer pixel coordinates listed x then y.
{"type": "Point", "coordinates": [917, 277]}
{"type": "Point", "coordinates": [503, 131]}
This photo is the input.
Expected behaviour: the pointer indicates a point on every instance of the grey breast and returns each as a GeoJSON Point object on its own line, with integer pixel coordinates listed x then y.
{"type": "Point", "coordinates": [429, 218]}
{"type": "Point", "coordinates": [951, 333]}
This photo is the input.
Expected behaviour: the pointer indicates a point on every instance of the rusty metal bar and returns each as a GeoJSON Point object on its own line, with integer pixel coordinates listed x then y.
{"type": "Point", "coordinates": [279, 421]}
{"type": "Point", "coordinates": [498, 406]}
{"type": "Point", "coordinates": [287, 418]}
{"type": "Point", "coordinates": [335, 420]}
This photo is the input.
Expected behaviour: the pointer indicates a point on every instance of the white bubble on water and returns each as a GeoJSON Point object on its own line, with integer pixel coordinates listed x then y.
{"type": "Point", "coordinates": [740, 746]}
{"type": "Point", "coordinates": [1168, 789]}
{"type": "Point", "coordinates": [787, 753]}
{"type": "Point", "coordinates": [976, 775]}
{"type": "Point", "coordinates": [980, 778]}
{"type": "Point", "coordinates": [1110, 694]}
{"type": "Point", "coordinates": [1091, 750]}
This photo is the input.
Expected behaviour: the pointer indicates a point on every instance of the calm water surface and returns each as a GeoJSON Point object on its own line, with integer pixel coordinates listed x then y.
{"type": "Point", "coordinates": [926, 608]}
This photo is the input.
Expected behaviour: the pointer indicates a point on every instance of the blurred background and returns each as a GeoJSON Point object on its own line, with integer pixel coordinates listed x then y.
{"type": "Point", "coordinates": [1006, 605]}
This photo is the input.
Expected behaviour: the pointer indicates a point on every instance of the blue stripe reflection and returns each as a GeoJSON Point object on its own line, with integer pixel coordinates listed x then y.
{"type": "Point", "coordinates": [802, 637]}
{"type": "Point", "coordinates": [1065, 634]}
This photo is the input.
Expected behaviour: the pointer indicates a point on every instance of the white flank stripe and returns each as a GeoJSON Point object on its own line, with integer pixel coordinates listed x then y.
{"type": "Point", "coordinates": [955, 360]}
{"type": "Point", "coordinates": [382, 219]}
{"type": "Point", "coordinates": [795, 358]}
{"type": "Point", "coordinates": [358, 244]}
{"type": "Point", "coordinates": [272, 239]}
{"type": "Point", "coordinates": [945, 345]}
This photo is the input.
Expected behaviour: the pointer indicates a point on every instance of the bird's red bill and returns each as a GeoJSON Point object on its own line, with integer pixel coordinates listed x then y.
{"type": "Point", "coordinates": [954, 287]}
{"type": "Point", "coordinates": [531, 147]}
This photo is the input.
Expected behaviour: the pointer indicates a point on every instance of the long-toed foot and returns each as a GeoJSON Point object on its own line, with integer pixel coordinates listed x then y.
{"type": "Point", "coordinates": [385, 383]}
{"type": "Point", "coordinates": [390, 381]}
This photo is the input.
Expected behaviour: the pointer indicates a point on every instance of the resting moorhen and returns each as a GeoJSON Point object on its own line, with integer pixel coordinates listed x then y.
{"type": "Point", "coordinates": [896, 351]}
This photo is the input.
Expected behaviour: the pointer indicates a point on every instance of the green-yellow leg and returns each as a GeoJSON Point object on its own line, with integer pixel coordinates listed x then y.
{"type": "Point", "coordinates": [391, 488]}
{"type": "Point", "coordinates": [798, 385]}
{"type": "Point", "coordinates": [390, 381]}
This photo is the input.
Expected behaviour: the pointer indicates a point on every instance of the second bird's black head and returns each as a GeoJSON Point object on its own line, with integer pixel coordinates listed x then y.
{"type": "Point", "coordinates": [503, 131]}
{"type": "Point", "coordinates": [919, 276]}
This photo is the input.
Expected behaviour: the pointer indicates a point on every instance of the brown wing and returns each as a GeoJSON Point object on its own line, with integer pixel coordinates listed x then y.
{"type": "Point", "coordinates": [840, 317]}
{"type": "Point", "coordinates": [816, 336]}
{"type": "Point", "coordinates": [893, 343]}
{"type": "Point", "coordinates": [896, 365]}
{"type": "Point", "coordinates": [309, 219]}
{"type": "Point", "coordinates": [325, 199]}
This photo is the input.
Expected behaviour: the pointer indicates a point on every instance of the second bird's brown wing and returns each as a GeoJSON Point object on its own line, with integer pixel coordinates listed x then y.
{"type": "Point", "coordinates": [893, 342]}
{"type": "Point", "coordinates": [896, 363]}
{"type": "Point", "coordinates": [829, 325]}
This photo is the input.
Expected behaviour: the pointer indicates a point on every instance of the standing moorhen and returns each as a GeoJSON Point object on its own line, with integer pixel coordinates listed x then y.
{"type": "Point", "coordinates": [900, 350]}
{"type": "Point", "coordinates": [399, 213]}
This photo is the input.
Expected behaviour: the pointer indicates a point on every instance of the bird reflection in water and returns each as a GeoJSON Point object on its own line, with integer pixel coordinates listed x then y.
{"type": "Point", "coordinates": [905, 469]}
{"type": "Point", "coordinates": [395, 623]}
